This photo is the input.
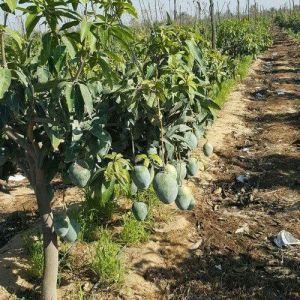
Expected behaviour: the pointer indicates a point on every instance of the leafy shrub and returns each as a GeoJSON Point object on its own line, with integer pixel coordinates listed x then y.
{"type": "Point", "coordinates": [242, 37]}
{"type": "Point", "coordinates": [107, 260]}
{"type": "Point", "coordinates": [289, 21]}
{"type": "Point", "coordinates": [133, 232]}
{"type": "Point", "coordinates": [33, 246]}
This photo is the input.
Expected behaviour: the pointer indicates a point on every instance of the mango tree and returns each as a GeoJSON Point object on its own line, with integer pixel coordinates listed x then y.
{"type": "Point", "coordinates": [52, 119]}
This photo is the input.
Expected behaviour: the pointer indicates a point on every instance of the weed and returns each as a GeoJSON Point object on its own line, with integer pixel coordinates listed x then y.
{"type": "Point", "coordinates": [107, 260]}
{"type": "Point", "coordinates": [150, 198]}
{"type": "Point", "coordinates": [103, 205]}
{"type": "Point", "coordinates": [33, 246]}
{"type": "Point", "coordinates": [229, 84]}
{"type": "Point", "coordinates": [133, 232]}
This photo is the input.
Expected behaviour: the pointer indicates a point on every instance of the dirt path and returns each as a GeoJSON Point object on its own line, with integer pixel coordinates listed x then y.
{"type": "Point", "coordinates": [257, 136]}
{"type": "Point", "coordinates": [224, 249]}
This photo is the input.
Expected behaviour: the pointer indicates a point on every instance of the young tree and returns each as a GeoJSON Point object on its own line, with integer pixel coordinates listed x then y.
{"type": "Point", "coordinates": [213, 23]}
{"type": "Point", "coordinates": [175, 9]}
{"type": "Point", "coordinates": [51, 118]}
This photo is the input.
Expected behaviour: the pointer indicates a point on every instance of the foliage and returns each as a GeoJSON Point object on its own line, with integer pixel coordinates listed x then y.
{"type": "Point", "coordinates": [242, 37]}
{"type": "Point", "coordinates": [133, 231]}
{"type": "Point", "coordinates": [33, 246]}
{"type": "Point", "coordinates": [107, 260]}
{"type": "Point", "coordinates": [289, 21]}
{"type": "Point", "coordinates": [84, 98]}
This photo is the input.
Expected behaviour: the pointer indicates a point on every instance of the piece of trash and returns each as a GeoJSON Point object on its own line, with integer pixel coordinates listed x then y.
{"type": "Point", "coordinates": [243, 229]}
{"type": "Point", "coordinates": [17, 177]}
{"type": "Point", "coordinates": [285, 239]}
{"type": "Point", "coordinates": [280, 93]}
{"type": "Point", "coordinates": [246, 149]}
{"type": "Point", "coordinates": [196, 245]}
{"type": "Point", "coordinates": [218, 267]}
{"type": "Point", "coordinates": [259, 96]}
{"type": "Point", "coordinates": [218, 191]}
{"type": "Point", "coordinates": [242, 178]}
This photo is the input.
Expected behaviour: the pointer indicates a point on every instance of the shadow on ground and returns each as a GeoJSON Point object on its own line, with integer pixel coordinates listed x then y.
{"type": "Point", "coordinates": [219, 276]}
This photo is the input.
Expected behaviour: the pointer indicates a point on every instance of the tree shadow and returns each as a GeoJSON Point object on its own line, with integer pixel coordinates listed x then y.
{"type": "Point", "coordinates": [212, 275]}
{"type": "Point", "coordinates": [16, 279]}
{"type": "Point", "coordinates": [267, 172]}
{"type": "Point", "coordinates": [12, 223]}
{"type": "Point", "coordinates": [286, 80]}
{"type": "Point", "coordinates": [292, 118]}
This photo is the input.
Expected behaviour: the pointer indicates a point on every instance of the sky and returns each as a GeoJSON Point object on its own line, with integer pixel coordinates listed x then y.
{"type": "Point", "coordinates": [189, 7]}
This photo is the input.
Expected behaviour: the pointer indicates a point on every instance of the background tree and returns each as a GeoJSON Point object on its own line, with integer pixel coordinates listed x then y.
{"type": "Point", "coordinates": [213, 23]}
{"type": "Point", "coordinates": [51, 118]}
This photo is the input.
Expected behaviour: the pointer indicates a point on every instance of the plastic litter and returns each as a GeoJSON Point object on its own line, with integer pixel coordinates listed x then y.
{"type": "Point", "coordinates": [280, 93]}
{"type": "Point", "coordinates": [242, 178]}
{"type": "Point", "coordinates": [285, 239]}
{"type": "Point", "coordinates": [243, 229]}
{"type": "Point", "coordinates": [218, 267]}
{"type": "Point", "coordinates": [259, 96]}
{"type": "Point", "coordinates": [17, 177]}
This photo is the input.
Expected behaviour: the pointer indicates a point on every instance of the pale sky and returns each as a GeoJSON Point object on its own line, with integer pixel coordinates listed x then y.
{"type": "Point", "coordinates": [189, 7]}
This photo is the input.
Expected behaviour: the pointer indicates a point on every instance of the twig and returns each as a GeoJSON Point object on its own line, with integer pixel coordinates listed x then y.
{"type": "Point", "coordinates": [19, 139]}
{"type": "Point", "coordinates": [3, 42]}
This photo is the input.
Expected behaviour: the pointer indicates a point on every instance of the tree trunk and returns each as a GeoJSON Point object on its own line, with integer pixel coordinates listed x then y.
{"type": "Point", "coordinates": [238, 9]}
{"type": "Point", "coordinates": [213, 24]}
{"type": "Point", "coordinates": [175, 9]}
{"type": "Point", "coordinates": [44, 196]}
{"type": "Point", "coordinates": [248, 6]}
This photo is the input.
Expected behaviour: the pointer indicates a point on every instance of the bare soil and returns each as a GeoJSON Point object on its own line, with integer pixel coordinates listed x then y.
{"type": "Point", "coordinates": [224, 249]}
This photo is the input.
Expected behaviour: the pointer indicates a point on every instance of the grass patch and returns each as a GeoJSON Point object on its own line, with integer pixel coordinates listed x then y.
{"type": "Point", "coordinates": [133, 232]}
{"type": "Point", "coordinates": [227, 86]}
{"type": "Point", "coordinates": [295, 35]}
{"type": "Point", "coordinates": [33, 246]}
{"type": "Point", "coordinates": [107, 261]}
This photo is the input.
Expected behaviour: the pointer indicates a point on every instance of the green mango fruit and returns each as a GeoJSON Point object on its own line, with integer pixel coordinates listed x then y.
{"type": "Point", "coordinates": [184, 198]}
{"type": "Point", "coordinates": [181, 170]}
{"type": "Point", "coordinates": [73, 231]}
{"type": "Point", "coordinates": [79, 174]}
{"type": "Point", "coordinates": [166, 187]}
{"type": "Point", "coordinates": [192, 166]}
{"type": "Point", "coordinates": [140, 210]}
{"type": "Point", "coordinates": [141, 177]}
{"type": "Point", "coordinates": [171, 170]}
{"type": "Point", "coordinates": [208, 149]}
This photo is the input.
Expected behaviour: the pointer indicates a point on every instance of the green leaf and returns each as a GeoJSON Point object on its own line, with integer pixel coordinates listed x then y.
{"type": "Point", "coordinates": [15, 36]}
{"type": "Point", "coordinates": [53, 134]}
{"type": "Point", "coordinates": [69, 25]}
{"type": "Point", "coordinates": [31, 22]}
{"type": "Point", "coordinates": [107, 191]}
{"type": "Point", "coordinates": [59, 57]}
{"type": "Point", "coordinates": [12, 4]}
{"type": "Point", "coordinates": [78, 101]}
{"type": "Point", "coordinates": [47, 47]}
{"type": "Point", "coordinates": [70, 45]}
{"type": "Point", "coordinates": [5, 81]}
{"type": "Point", "coordinates": [70, 100]}
{"type": "Point", "coordinates": [87, 98]}
{"type": "Point", "coordinates": [85, 27]}
{"type": "Point", "coordinates": [42, 74]}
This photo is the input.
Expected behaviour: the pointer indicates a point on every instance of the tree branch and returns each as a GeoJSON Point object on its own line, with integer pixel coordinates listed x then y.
{"type": "Point", "coordinates": [4, 62]}
{"type": "Point", "coordinates": [19, 139]}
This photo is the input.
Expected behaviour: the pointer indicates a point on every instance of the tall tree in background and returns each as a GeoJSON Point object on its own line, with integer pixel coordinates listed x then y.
{"type": "Point", "coordinates": [248, 7]}
{"type": "Point", "coordinates": [238, 8]}
{"type": "Point", "coordinates": [175, 9]}
{"type": "Point", "coordinates": [213, 23]}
